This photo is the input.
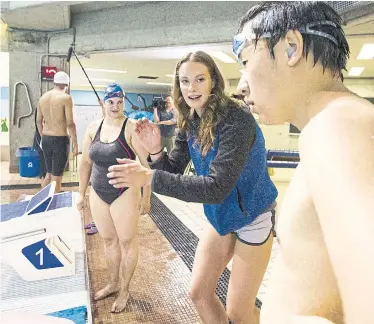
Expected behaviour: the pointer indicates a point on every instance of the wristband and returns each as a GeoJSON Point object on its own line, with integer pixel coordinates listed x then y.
{"type": "Point", "coordinates": [157, 152]}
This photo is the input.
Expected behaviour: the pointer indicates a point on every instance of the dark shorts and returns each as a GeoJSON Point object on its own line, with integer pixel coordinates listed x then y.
{"type": "Point", "coordinates": [56, 153]}
{"type": "Point", "coordinates": [258, 232]}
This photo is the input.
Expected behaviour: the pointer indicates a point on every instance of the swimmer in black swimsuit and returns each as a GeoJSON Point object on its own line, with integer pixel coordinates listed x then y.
{"type": "Point", "coordinates": [104, 142]}
{"type": "Point", "coordinates": [103, 155]}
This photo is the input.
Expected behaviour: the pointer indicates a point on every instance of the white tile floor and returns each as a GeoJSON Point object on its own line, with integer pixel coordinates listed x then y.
{"type": "Point", "coordinates": [191, 214]}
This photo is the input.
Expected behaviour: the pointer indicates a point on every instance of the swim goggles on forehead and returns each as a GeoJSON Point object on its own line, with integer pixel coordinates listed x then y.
{"type": "Point", "coordinates": [241, 40]}
{"type": "Point", "coordinates": [118, 94]}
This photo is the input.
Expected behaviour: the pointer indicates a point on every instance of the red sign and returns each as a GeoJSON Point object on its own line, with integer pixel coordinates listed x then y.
{"type": "Point", "coordinates": [48, 72]}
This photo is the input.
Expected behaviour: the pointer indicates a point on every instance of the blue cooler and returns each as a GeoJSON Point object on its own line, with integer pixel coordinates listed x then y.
{"type": "Point", "coordinates": [29, 162]}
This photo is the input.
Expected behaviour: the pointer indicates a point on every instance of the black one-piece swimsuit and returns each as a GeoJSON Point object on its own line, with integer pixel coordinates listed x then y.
{"type": "Point", "coordinates": [103, 155]}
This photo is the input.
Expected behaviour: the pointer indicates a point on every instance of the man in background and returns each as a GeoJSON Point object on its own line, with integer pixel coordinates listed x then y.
{"type": "Point", "coordinates": [165, 117]}
{"type": "Point", "coordinates": [55, 123]}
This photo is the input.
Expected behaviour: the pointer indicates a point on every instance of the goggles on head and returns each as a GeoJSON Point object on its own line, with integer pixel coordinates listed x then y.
{"type": "Point", "coordinates": [243, 39]}
{"type": "Point", "coordinates": [113, 90]}
{"type": "Point", "coordinates": [114, 94]}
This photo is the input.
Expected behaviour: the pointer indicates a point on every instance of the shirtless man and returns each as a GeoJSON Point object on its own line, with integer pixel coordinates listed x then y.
{"type": "Point", "coordinates": [55, 119]}
{"type": "Point", "coordinates": [293, 53]}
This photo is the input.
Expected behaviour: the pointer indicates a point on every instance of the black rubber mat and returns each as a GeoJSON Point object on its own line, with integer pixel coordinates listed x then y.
{"type": "Point", "coordinates": [184, 242]}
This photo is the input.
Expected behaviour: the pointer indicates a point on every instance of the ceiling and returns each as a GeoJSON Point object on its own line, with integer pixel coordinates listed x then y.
{"type": "Point", "coordinates": [154, 62]}
{"type": "Point", "coordinates": [87, 6]}
{"type": "Point", "coordinates": [41, 15]}
{"type": "Point", "coordinates": [157, 62]}
{"type": "Point", "coordinates": [52, 15]}
{"type": "Point", "coordinates": [355, 44]}
{"type": "Point", "coordinates": [160, 62]}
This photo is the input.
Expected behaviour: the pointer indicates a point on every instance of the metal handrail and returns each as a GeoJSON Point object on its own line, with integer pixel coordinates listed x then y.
{"type": "Point", "coordinates": [14, 104]}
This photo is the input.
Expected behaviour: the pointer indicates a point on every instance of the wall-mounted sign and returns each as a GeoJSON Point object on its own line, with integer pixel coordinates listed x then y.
{"type": "Point", "coordinates": [48, 72]}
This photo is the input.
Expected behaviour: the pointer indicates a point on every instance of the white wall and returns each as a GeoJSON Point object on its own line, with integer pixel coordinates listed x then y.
{"type": "Point", "coordinates": [363, 87]}
{"type": "Point", "coordinates": [278, 137]}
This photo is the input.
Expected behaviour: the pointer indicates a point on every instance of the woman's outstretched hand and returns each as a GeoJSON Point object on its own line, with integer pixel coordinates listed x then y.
{"type": "Point", "coordinates": [148, 135]}
{"type": "Point", "coordinates": [129, 173]}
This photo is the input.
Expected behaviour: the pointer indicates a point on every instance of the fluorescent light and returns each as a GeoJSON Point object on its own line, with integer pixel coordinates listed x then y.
{"type": "Point", "coordinates": [367, 52]}
{"type": "Point", "coordinates": [159, 83]}
{"type": "Point", "coordinates": [356, 71]}
{"type": "Point", "coordinates": [104, 80]}
{"type": "Point", "coordinates": [222, 56]}
{"type": "Point", "coordinates": [170, 75]}
{"type": "Point", "coordinates": [104, 70]}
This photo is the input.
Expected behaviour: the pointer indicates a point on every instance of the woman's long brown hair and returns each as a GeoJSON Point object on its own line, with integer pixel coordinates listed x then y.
{"type": "Point", "coordinates": [215, 108]}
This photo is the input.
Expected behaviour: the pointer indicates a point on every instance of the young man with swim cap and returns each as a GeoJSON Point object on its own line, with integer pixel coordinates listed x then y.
{"type": "Point", "coordinates": [55, 123]}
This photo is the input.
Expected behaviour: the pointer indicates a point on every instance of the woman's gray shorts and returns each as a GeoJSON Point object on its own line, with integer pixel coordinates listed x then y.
{"type": "Point", "coordinates": [258, 232]}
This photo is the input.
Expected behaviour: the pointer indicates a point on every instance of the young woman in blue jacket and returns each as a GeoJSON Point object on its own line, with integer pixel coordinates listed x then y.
{"type": "Point", "coordinates": [228, 151]}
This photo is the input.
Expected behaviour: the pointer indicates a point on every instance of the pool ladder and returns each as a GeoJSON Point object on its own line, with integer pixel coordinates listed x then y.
{"type": "Point", "coordinates": [14, 104]}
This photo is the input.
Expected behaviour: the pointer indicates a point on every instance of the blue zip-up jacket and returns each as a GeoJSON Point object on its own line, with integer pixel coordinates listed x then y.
{"type": "Point", "coordinates": [232, 179]}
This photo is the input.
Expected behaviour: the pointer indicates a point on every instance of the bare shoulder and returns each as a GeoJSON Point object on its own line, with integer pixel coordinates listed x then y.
{"type": "Point", "coordinates": [130, 127]}
{"type": "Point", "coordinates": [345, 117]}
{"type": "Point", "coordinates": [66, 97]}
{"type": "Point", "coordinates": [45, 97]}
{"type": "Point", "coordinates": [347, 109]}
{"type": "Point", "coordinates": [93, 127]}
{"type": "Point", "coordinates": [131, 122]}
{"type": "Point", "coordinates": [343, 131]}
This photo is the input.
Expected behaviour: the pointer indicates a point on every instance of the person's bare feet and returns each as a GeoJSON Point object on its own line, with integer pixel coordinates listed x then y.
{"type": "Point", "coordinates": [120, 304]}
{"type": "Point", "coordinates": [105, 292]}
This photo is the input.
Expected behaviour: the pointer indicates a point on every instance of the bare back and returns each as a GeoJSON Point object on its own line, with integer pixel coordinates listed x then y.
{"type": "Point", "coordinates": [323, 221]}
{"type": "Point", "coordinates": [53, 105]}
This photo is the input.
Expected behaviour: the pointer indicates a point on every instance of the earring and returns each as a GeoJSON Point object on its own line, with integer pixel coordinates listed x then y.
{"type": "Point", "coordinates": [291, 50]}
